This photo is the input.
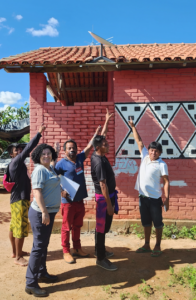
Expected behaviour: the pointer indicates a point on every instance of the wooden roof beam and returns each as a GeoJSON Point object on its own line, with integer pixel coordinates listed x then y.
{"type": "Point", "coordinates": [78, 84]}
{"type": "Point", "coordinates": [64, 90]}
{"type": "Point", "coordinates": [85, 88]}
{"type": "Point", "coordinates": [52, 92]}
{"type": "Point", "coordinates": [98, 68]}
{"type": "Point", "coordinates": [93, 82]}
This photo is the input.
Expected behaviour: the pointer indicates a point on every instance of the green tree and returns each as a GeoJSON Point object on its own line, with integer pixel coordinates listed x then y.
{"type": "Point", "coordinates": [11, 114]}
{"type": "Point", "coordinates": [25, 138]}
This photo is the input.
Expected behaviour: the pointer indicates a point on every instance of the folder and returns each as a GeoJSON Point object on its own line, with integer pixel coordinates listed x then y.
{"type": "Point", "coordinates": [70, 186]}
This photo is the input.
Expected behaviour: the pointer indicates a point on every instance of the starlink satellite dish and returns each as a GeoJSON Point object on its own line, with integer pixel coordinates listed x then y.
{"type": "Point", "coordinates": [102, 42]}
{"type": "Point", "coordinates": [100, 39]}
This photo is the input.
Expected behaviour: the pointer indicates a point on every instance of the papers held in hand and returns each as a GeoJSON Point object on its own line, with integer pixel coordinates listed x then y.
{"type": "Point", "coordinates": [70, 186]}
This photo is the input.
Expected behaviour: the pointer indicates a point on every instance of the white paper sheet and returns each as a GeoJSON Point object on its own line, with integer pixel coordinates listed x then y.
{"type": "Point", "coordinates": [70, 186]}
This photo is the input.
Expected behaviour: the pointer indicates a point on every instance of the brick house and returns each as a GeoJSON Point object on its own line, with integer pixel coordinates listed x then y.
{"type": "Point", "coordinates": [154, 84]}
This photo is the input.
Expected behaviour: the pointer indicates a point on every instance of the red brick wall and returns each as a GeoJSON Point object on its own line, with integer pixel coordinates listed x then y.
{"type": "Point", "coordinates": [156, 86]}
{"type": "Point", "coordinates": [80, 121]}
{"type": "Point", "coordinates": [77, 122]}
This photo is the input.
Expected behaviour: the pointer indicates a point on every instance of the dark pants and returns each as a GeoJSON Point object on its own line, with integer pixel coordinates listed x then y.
{"type": "Point", "coordinates": [41, 237]}
{"type": "Point", "coordinates": [100, 238]}
{"type": "Point", "coordinates": [151, 211]}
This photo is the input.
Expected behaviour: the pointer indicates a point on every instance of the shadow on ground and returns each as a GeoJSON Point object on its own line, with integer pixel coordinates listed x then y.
{"type": "Point", "coordinates": [132, 268]}
{"type": "Point", "coordinates": [4, 192]}
{"type": "Point", "coordinates": [5, 217]}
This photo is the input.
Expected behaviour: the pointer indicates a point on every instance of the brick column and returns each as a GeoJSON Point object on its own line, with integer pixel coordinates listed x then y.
{"type": "Point", "coordinates": [37, 99]}
{"type": "Point", "coordinates": [110, 86]}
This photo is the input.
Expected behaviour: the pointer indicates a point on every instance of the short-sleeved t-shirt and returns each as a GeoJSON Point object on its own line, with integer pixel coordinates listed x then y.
{"type": "Point", "coordinates": [75, 172]}
{"type": "Point", "coordinates": [149, 177]}
{"type": "Point", "coordinates": [49, 182]}
{"type": "Point", "coordinates": [100, 170]}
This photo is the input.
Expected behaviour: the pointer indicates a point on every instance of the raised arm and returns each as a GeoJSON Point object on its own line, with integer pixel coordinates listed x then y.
{"type": "Point", "coordinates": [90, 144]}
{"type": "Point", "coordinates": [57, 148]}
{"type": "Point", "coordinates": [103, 132]}
{"type": "Point", "coordinates": [136, 136]}
{"type": "Point", "coordinates": [105, 127]}
{"type": "Point", "coordinates": [30, 146]}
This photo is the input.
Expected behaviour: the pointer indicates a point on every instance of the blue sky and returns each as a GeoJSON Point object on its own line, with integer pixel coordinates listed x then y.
{"type": "Point", "coordinates": [28, 25]}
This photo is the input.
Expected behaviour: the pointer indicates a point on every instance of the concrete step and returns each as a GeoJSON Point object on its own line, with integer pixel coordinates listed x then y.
{"type": "Point", "coordinates": [123, 224]}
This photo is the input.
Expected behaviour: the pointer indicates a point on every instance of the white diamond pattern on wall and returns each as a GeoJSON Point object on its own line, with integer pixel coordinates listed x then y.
{"type": "Point", "coordinates": [164, 111]}
{"type": "Point", "coordinates": [173, 124]}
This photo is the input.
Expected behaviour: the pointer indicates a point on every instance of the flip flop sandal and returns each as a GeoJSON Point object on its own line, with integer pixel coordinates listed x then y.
{"type": "Point", "coordinates": [156, 253]}
{"type": "Point", "coordinates": [143, 250]}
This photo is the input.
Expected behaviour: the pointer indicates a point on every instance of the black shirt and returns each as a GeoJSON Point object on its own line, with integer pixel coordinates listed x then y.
{"type": "Point", "coordinates": [18, 172]}
{"type": "Point", "coordinates": [100, 170]}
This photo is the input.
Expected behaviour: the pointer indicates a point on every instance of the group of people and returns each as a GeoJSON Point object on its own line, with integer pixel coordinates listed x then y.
{"type": "Point", "coordinates": [48, 196]}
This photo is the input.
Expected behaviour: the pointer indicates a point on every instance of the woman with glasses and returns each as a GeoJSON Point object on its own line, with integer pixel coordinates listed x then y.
{"type": "Point", "coordinates": [45, 205]}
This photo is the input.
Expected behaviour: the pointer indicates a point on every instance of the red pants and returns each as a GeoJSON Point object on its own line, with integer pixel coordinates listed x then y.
{"type": "Point", "coordinates": [73, 214]}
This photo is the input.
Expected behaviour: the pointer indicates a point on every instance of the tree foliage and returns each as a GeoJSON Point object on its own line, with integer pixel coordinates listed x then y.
{"type": "Point", "coordinates": [11, 114]}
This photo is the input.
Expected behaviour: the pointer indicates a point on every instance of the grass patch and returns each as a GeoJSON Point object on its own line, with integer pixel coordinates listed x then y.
{"type": "Point", "coordinates": [169, 231]}
{"type": "Point", "coordinates": [137, 230]}
{"type": "Point", "coordinates": [164, 297]}
{"type": "Point", "coordinates": [134, 297]}
{"type": "Point", "coordinates": [182, 233]}
{"type": "Point", "coordinates": [185, 277]}
{"type": "Point", "coordinates": [145, 289]}
{"type": "Point", "coordinates": [107, 289]}
{"type": "Point", "coordinates": [124, 296]}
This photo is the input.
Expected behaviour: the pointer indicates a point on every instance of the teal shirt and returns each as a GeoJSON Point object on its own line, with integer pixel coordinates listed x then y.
{"type": "Point", "coordinates": [49, 182]}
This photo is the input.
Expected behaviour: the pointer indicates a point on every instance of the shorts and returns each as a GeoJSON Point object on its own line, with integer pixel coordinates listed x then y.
{"type": "Point", "coordinates": [19, 224]}
{"type": "Point", "coordinates": [151, 211]}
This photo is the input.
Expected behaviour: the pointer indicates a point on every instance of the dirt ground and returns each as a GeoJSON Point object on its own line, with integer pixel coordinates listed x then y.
{"type": "Point", "coordinates": [84, 280]}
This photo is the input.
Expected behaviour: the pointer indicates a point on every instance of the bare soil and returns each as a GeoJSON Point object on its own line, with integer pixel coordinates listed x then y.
{"type": "Point", "coordinates": [84, 280]}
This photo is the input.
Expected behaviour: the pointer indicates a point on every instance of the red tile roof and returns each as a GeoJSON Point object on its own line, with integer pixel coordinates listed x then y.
{"type": "Point", "coordinates": [117, 53]}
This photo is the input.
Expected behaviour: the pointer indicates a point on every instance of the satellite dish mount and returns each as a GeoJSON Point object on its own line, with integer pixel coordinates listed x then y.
{"type": "Point", "coordinates": [102, 42]}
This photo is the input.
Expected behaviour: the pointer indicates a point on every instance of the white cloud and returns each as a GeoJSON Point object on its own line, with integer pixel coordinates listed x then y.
{"type": "Point", "coordinates": [2, 20]}
{"type": "Point", "coordinates": [48, 29]}
{"type": "Point", "coordinates": [9, 97]}
{"type": "Point", "coordinates": [10, 29]}
{"type": "Point", "coordinates": [53, 22]}
{"type": "Point", "coordinates": [19, 17]}
{"type": "Point", "coordinates": [4, 107]}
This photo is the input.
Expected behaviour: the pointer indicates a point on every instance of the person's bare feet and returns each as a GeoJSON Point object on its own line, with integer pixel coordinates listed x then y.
{"type": "Point", "coordinates": [143, 249]}
{"type": "Point", "coordinates": [68, 258]}
{"type": "Point", "coordinates": [24, 253]}
{"type": "Point", "coordinates": [21, 261]}
{"type": "Point", "coordinates": [157, 248]}
{"type": "Point", "coordinates": [146, 246]}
